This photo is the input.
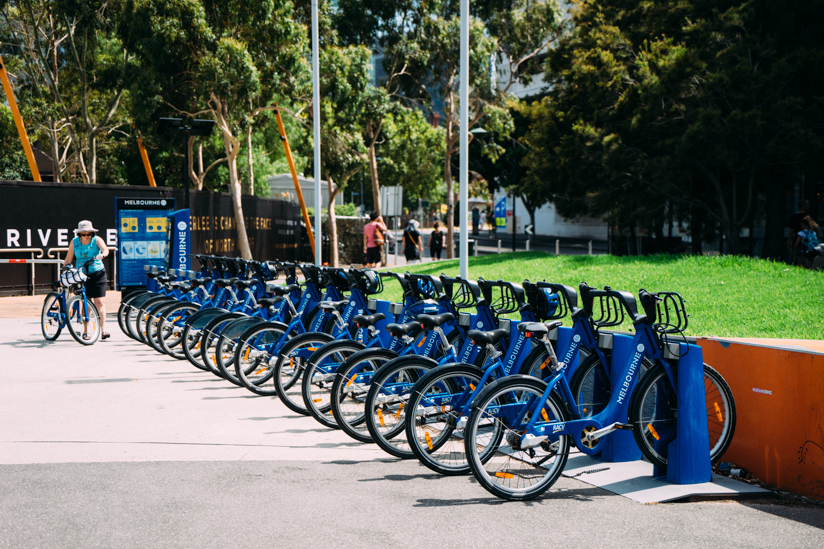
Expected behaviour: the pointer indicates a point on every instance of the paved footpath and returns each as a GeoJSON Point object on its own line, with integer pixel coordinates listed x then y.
{"type": "Point", "coordinates": [114, 445]}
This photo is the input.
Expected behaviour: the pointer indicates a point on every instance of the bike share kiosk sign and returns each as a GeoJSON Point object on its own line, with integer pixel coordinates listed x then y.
{"type": "Point", "coordinates": [178, 242]}
{"type": "Point", "coordinates": [141, 236]}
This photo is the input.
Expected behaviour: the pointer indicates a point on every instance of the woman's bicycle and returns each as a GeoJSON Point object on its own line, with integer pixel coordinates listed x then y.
{"type": "Point", "coordinates": [68, 306]}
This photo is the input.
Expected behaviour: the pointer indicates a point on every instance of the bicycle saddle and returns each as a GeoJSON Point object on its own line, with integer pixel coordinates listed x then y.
{"type": "Point", "coordinates": [538, 328]}
{"type": "Point", "coordinates": [364, 321]}
{"type": "Point", "coordinates": [400, 330]}
{"type": "Point", "coordinates": [245, 284]}
{"type": "Point", "coordinates": [479, 337]}
{"type": "Point", "coordinates": [163, 278]}
{"type": "Point", "coordinates": [430, 322]}
{"type": "Point", "coordinates": [281, 290]}
{"type": "Point", "coordinates": [225, 282]}
{"type": "Point", "coordinates": [270, 301]}
{"type": "Point", "coordinates": [329, 305]}
{"type": "Point", "coordinates": [196, 282]}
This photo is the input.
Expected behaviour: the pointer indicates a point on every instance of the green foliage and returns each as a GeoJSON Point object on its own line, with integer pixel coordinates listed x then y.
{"type": "Point", "coordinates": [695, 109]}
{"type": "Point", "coordinates": [725, 296]}
{"type": "Point", "coordinates": [13, 163]}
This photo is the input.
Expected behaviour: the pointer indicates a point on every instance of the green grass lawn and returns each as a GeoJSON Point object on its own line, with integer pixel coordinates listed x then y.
{"type": "Point", "coordinates": [726, 296]}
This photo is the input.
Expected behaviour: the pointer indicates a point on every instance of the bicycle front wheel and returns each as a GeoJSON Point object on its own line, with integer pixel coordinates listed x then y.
{"type": "Point", "coordinates": [493, 439]}
{"type": "Point", "coordinates": [436, 415]}
{"type": "Point", "coordinates": [319, 377]}
{"type": "Point", "coordinates": [51, 317]}
{"type": "Point", "coordinates": [654, 412]}
{"type": "Point", "coordinates": [83, 320]}
{"type": "Point", "coordinates": [292, 360]}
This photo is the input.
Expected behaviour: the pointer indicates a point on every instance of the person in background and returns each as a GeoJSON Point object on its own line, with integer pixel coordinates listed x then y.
{"type": "Point", "coordinates": [795, 227]}
{"type": "Point", "coordinates": [412, 244]}
{"type": "Point", "coordinates": [435, 242]}
{"type": "Point", "coordinates": [476, 220]}
{"type": "Point", "coordinates": [373, 238]}
{"type": "Point", "coordinates": [87, 251]}
{"type": "Point", "coordinates": [806, 242]}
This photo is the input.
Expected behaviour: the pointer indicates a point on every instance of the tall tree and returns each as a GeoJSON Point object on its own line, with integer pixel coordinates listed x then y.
{"type": "Point", "coordinates": [232, 58]}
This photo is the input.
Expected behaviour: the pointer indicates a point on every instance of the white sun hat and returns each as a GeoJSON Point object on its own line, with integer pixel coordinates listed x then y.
{"type": "Point", "coordinates": [84, 226]}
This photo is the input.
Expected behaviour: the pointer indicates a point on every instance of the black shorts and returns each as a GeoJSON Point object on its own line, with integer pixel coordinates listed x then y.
{"type": "Point", "coordinates": [373, 255]}
{"type": "Point", "coordinates": [96, 284]}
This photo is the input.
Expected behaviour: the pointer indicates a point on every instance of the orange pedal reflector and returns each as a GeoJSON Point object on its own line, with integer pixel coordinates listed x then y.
{"type": "Point", "coordinates": [544, 415]}
{"type": "Point", "coordinates": [259, 371]}
{"type": "Point", "coordinates": [317, 400]}
{"type": "Point", "coordinates": [546, 363]}
{"type": "Point", "coordinates": [653, 431]}
{"type": "Point", "coordinates": [471, 387]}
{"type": "Point", "coordinates": [500, 474]}
{"type": "Point", "coordinates": [248, 350]}
{"type": "Point", "coordinates": [380, 417]}
{"type": "Point", "coordinates": [428, 439]}
{"type": "Point", "coordinates": [398, 413]}
{"type": "Point", "coordinates": [311, 348]}
{"type": "Point", "coordinates": [718, 412]}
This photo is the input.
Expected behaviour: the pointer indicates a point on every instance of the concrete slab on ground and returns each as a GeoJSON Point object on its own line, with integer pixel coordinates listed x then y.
{"type": "Point", "coordinates": [634, 480]}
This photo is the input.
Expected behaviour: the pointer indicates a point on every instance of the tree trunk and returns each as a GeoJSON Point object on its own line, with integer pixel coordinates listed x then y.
{"type": "Point", "coordinates": [373, 167]}
{"type": "Point", "coordinates": [249, 161]}
{"type": "Point", "coordinates": [93, 159]}
{"type": "Point", "coordinates": [194, 176]}
{"type": "Point", "coordinates": [232, 147]}
{"type": "Point", "coordinates": [55, 151]}
{"type": "Point", "coordinates": [333, 224]}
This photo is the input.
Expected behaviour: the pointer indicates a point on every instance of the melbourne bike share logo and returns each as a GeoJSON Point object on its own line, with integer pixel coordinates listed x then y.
{"type": "Point", "coordinates": [636, 360]}
{"type": "Point", "coordinates": [182, 243]}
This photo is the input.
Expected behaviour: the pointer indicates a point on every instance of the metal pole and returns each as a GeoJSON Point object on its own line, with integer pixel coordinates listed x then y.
{"type": "Point", "coordinates": [590, 247]}
{"type": "Point", "coordinates": [558, 246]}
{"type": "Point", "coordinates": [316, 119]}
{"type": "Point", "coordinates": [463, 176]}
{"type": "Point", "coordinates": [18, 121]}
{"type": "Point", "coordinates": [186, 165]}
{"type": "Point", "coordinates": [514, 225]}
{"type": "Point", "coordinates": [294, 171]}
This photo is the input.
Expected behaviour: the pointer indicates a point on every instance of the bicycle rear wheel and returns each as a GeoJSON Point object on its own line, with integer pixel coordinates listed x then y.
{"type": "Point", "coordinates": [291, 362]}
{"type": "Point", "coordinates": [256, 355]}
{"type": "Point", "coordinates": [493, 440]}
{"type": "Point", "coordinates": [83, 320]}
{"type": "Point", "coordinates": [171, 326]}
{"type": "Point", "coordinates": [319, 376]}
{"type": "Point", "coordinates": [654, 412]}
{"type": "Point", "coordinates": [51, 317]}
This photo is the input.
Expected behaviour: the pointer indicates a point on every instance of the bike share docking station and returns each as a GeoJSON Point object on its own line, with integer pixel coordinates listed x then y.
{"type": "Point", "coordinates": [688, 474]}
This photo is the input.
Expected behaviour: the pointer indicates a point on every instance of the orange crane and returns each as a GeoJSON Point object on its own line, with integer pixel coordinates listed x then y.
{"type": "Point", "coordinates": [18, 121]}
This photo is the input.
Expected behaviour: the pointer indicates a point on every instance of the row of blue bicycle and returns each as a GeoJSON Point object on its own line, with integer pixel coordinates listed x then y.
{"type": "Point", "coordinates": [467, 376]}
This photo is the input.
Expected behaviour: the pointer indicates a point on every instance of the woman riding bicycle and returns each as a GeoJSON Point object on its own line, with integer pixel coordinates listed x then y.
{"type": "Point", "coordinates": [88, 249]}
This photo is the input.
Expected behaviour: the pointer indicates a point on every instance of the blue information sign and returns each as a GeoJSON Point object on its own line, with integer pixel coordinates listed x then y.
{"type": "Point", "coordinates": [141, 237]}
{"type": "Point", "coordinates": [500, 213]}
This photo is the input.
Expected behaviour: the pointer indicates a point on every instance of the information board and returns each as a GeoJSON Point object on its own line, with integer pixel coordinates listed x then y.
{"type": "Point", "coordinates": [141, 237]}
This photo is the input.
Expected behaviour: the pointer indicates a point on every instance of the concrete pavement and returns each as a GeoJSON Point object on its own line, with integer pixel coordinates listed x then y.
{"type": "Point", "coordinates": [115, 445]}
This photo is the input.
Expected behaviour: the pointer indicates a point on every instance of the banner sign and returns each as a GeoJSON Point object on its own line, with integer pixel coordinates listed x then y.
{"type": "Point", "coordinates": [141, 232]}
{"type": "Point", "coordinates": [178, 240]}
{"type": "Point", "coordinates": [500, 213]}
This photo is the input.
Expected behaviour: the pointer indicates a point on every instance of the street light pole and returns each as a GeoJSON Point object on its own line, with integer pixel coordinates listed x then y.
{"type": "Point", "coordinates": [463, 180]}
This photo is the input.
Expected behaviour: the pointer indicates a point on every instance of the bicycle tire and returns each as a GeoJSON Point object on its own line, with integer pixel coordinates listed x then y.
{"type": "Point", "coordinates": [256, 350]}
{"type": "Point", "coordinates": [492, 445]}
{"type": "Point", "coordinates": [385, 404]}
{"type": "Point", "coordinates": [145, 313]}
{"type": "Point", "coordinates": [290, 365]}
{"type": "Point", "coordinates": [227, 343]}
{"type": "Point", "coordinates": [348, 404]}
{"type": "Point", "coordinates": [172, 325]}
{"type": "Point", "coordinates": [211, 337]}
{"type": "Point", "coordinates": [153, 325]}
{"type": "Point", "coordinates": [433, 431]}
{"type": "Point", "coordinates": [316, 385]}
{"type": "Point", "coordinates": [192, 340]}
{"type": "Point", "coordinates": [51, 316]}
{"type": "Point", "coordinates": [123, 310]}
{"type": "Point", "coordinates": [646, 410]}
{"type": "Point", "coordinates": [75, 320]}
{"type": "Point", "coordinates": [133, 312]}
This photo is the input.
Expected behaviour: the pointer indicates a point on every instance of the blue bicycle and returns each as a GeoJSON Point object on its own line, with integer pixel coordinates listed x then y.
{"type": "Point", "coordinates": [76, 312]}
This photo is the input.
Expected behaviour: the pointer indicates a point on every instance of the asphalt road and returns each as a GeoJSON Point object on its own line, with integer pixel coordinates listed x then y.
{"type": "Point", "coordinates": [116, 446]}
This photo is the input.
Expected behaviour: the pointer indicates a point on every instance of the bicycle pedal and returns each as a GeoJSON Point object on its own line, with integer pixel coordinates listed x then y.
{"type": "Point", "coordinates": [531, 441]}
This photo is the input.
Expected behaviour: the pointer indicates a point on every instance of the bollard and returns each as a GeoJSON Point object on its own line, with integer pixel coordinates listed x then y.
{"type": "Point", "coordinates": [499, 245]}
{"type": "Point", "coordinates": [590, 247]}
{"type": "Point", "coordinates": [558, 246]}
{"type": "Point", "coordinates": [527, 245]}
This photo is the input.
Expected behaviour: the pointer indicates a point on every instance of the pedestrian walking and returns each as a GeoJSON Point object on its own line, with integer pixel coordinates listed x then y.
{"type": "Point", "coordinates": [87, 251]}
{"type": "Point", "coordinates": [436, 242]}
{"type": "Point", "coordinates": [373, 239]}
{"type": "Point", "coordinates": [412, 244]}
